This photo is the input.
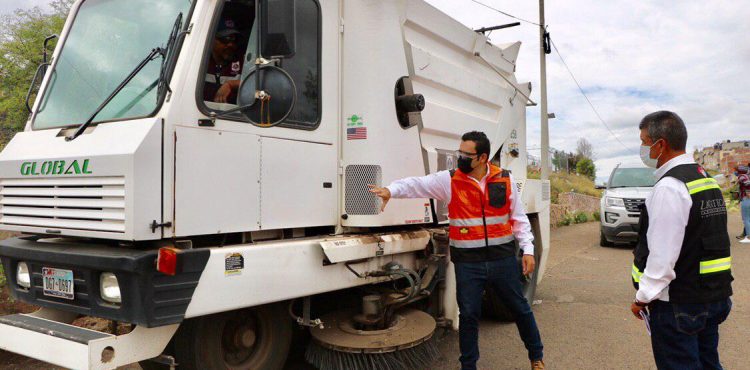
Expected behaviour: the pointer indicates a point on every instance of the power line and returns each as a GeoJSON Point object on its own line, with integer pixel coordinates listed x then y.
{"type": "Point", "coordinates": [506, 14]}
{"type": "Point", "coordinates": [596, 112]}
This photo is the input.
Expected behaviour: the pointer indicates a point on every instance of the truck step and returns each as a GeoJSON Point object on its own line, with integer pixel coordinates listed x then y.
{"type": "Point", "coordinates": [52, 328]}
{"type": "Point", "coordinates": [73, 347]}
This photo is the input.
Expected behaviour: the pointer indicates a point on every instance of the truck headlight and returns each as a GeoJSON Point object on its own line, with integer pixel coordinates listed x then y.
{"type": "Point", "coordinates": [23, 277]}
{"type": "Point", "coordinates": [615, 202]}
{"type": "Point", "coordinates": [109, 288]}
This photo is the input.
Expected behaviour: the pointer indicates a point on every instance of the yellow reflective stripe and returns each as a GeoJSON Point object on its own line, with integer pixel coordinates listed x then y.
{"type": "Point", "coordinates": [636, 274]}
{"type": "Point", "coordinates": [703, 188]}
{"type": "Point", "coordinates": [700, 185]}
{"type": "Point", "coordinates": [721, 264]}
{"type": "Point", "coordinates": [700, 182]}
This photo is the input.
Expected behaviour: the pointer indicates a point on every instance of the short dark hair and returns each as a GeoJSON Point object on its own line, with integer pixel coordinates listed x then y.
{"type": "Point", "coordinates": [480, 140]}
{"type": "Point", "coordinates": [667, 126]}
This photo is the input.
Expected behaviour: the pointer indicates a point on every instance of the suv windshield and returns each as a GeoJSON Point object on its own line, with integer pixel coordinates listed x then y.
{"type": "Point", "coordinates": [108, 39]}
{"type": "Point", "coordinates": [632, 177]}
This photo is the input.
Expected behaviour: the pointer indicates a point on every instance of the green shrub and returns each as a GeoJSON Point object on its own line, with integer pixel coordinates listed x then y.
{"type": "Point", "coordinates": [586, 167]}
{"type": "Point", "coordinates": [566, 220]}
{"type": "Point", "coordinates": [580, 217]}
{"type": "Point", "coordinates": [2, 276]}
{"type": "Point", "coordinates": [596, 216]}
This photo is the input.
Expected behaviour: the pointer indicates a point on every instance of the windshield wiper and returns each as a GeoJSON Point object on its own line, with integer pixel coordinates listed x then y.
{"type": "Point", "coordinates": [167, 56]}
{"type": "Point", "coordinates": [151, 56]}
{"type": "Point", "coordinates": [165, 53]}
{"type": "Point", "coordinates": [168, 53]}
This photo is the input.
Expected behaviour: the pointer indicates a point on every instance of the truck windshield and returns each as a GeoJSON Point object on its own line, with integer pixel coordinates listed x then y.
{"type": "Point", "coordinates": [632, 177]}
{"type": "Point", "coordinates": [108, 38]}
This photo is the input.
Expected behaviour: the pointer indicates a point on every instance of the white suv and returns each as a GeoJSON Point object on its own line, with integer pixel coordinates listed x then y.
{"type": "Point", "coordinates": [621, 203]}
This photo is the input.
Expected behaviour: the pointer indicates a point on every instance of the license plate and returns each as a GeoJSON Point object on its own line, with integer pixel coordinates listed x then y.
{"type": "Point", "coordinates": [57, 283]}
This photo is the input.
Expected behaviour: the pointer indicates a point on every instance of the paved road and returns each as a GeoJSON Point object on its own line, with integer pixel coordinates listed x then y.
{"type": "Point", "coordinates": [584, 314]}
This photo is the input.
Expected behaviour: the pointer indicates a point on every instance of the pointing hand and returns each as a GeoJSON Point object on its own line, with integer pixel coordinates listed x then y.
{"type": "Point", "coordinates": [383, 193]}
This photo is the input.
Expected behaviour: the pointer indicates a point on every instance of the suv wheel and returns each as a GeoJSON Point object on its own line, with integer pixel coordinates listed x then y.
{"type": "Point", "coordinates": [603, 240]}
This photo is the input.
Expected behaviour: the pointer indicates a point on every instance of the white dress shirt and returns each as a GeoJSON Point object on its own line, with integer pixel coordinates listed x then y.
{"type": "Point", "coordinates": [668, 212]}
{"type": "Point", "coordinates": [438, 186]}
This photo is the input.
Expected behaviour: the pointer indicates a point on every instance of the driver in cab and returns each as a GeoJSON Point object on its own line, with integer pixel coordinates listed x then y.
{"type": "Point", "coordinates": [225, 65]}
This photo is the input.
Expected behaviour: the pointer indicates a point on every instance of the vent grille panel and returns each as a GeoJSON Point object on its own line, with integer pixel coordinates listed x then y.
{"type": "Point", "coordinates": [545, 191]}
{"type": "Point", "coordinates": [359, 200]}
{"type": "Point", "coordinates": [91, 203]}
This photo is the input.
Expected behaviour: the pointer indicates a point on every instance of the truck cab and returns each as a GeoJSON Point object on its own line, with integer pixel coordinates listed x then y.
{"type": "Point", "coordinates": [191, 167]}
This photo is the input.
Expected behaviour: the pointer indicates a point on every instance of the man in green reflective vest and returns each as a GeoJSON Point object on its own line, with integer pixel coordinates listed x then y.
{"type": "Point", "coordinates": [682, 266]}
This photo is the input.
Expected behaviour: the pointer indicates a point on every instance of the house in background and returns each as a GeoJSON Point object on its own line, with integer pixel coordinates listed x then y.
{"type": "Point", "coordinates": [723, 157]}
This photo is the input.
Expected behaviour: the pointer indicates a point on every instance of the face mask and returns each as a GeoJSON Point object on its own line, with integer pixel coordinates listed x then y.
{"type": "Point", "coordinates": [464, 164]}
{"type": "Point", "coordinates": [646, 156]}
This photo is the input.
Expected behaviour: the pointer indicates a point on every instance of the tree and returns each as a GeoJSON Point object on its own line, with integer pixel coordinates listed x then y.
{"type": "Point", "coordinates": [559, 159]}
{"type": "Point", "coordinates": [22, 34]}
{"type": "Point", "coordinates": [565, 161]}
{"type": "Point", "coordinates": [586, 167]}
{"type": "Point", "coordinates": [585, 149]}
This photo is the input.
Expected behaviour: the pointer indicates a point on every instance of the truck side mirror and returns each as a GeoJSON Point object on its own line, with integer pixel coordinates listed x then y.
{"type": "Point", "coordinates": [277, 30]}
{"type": "Point", "coordinates": [40, 72]}
{"type": "Point", "coordinates": [267, 96]}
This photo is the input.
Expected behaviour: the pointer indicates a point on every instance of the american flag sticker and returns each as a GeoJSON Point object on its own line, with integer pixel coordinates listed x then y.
{"type": "Point", "coordinates": [356, 133]}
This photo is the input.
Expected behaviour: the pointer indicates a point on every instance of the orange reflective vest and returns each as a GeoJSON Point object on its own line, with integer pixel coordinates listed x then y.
{"type": "Point", "coordinates": [480, 219]}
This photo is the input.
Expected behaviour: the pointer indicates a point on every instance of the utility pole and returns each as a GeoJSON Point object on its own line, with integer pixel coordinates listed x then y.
{"type": "Point", "coordinates": [543, 84]}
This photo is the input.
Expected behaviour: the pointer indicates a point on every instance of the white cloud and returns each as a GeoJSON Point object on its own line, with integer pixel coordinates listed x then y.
{"type": "Point", "coordinates": [632, 58]}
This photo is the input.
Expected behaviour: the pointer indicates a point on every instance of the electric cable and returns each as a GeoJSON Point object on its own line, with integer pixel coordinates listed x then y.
{"type": "Point", "coordinates": [547, 43]}
{"type": "Point", "coordinates": [506, 14]}
{"type": "Point", "coordinates": [596, 112]}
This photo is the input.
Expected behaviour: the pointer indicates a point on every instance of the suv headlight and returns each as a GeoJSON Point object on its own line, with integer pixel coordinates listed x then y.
{"type": "Point", "coordinates": [615, 202]}
{"type": "Point", "coordinates": [109, 288]}
{"type": "Point", "coordinates": [23, 277]}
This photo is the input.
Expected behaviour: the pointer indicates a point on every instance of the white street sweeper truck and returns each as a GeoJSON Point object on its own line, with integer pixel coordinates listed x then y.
{"type": "Point", "coordinates": [198, 170]}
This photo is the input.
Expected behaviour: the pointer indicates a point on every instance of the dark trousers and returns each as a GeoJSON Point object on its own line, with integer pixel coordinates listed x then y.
{"type": "Point", "coordinates": [686, 336]}
{"type": "Point", "coordinates": [503, 276]}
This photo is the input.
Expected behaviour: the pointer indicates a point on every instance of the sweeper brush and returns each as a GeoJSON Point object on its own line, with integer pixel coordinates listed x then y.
{"type": "Point", "coordinates": [404, 344]}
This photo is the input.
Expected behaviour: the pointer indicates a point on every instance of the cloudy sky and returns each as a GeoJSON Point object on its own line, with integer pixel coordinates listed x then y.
{"type": "Point", "coordinates": [631, 58]}
{"type": "Point", "coordinates": [7, 6]}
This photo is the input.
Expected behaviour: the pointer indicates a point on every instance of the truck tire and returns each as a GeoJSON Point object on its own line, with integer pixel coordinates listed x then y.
{"type": "Point", "coordinates": [257, 338]}
{"type": "Point", "coordinates": [493, 306]}
{"type": "Point", "coordinates": [603, 240]}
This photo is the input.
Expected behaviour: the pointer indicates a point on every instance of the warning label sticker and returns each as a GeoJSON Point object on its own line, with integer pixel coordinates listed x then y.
{"type": "Point", "coordinates": [233, 264]}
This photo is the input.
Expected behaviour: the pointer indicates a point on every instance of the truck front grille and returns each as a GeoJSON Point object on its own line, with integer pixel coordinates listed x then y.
{"type": "Point", "coordinates": [634, 204]}
{"type": "Point", "coordinates": [88, 203]}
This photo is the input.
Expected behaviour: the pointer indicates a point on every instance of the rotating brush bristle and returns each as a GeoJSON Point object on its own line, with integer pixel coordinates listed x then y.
{"type": "Point", "coordinates": [414, 358]}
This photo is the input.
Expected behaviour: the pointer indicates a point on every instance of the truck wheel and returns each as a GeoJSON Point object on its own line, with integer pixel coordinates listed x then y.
{"type": "Point", "coordinates": [257, 338]}
{"type": "Point", "coordinates": [603, 240]}
{"type": "Point", "coordinates": [492, 304]}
